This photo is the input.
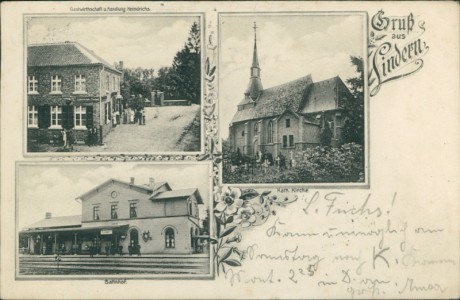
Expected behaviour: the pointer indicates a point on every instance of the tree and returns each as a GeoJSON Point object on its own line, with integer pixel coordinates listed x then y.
{"type": "Point", "coordinates": [353, 129]}
{"type": "Point", "coordinates": [186, 68]}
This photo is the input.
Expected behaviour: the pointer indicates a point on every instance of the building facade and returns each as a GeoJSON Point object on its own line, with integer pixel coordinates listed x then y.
{"type": "Point", "coordinates": [69, 88]}
{"type": "Point", "coordinates": [289, 117]}
{"type": "Point", "coordinates": [117, 216]}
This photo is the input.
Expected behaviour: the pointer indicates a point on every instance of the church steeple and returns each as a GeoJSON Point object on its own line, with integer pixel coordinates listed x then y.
{"type": "Point", "coordinates": [255, 84]}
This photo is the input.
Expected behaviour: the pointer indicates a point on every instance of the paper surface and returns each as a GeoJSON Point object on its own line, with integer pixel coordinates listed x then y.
{"type": "Point", "coordinates": [396, 236]}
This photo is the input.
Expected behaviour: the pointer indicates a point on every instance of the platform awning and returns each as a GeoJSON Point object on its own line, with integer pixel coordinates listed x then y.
{"type": "Point", "coordinates": [75, 229]}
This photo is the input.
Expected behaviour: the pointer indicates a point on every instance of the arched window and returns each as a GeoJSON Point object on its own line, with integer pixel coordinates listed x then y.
{"type": "Point", "coordinates": [270, 132]}
{"type": "Point", "coordinates": [170, 241]}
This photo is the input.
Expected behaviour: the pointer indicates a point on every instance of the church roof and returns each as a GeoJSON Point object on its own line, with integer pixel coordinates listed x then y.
{"type": "Point", "coordinates": [63, 54]}
{"type": "Point", "coordinates": [275, 100]}
{"type": "Point", "coordinates": [301, 96]}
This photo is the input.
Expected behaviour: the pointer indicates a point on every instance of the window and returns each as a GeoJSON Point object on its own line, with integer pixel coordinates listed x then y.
{"type": "Point", "coordinates": [190, 212]}
{"type": "Point", "coordinates": [288, 123]}
{"type": "Point", "coordinates": [55, 83]}
{"type": "Point", "coordinates": [169, 238]}
{"type": "Point", "coordinates": [114, 211]}
{"type": "Point", "coordinates": [32, 84]}
{"type": "Point", "coordinates": [270, 132]}
{"type": "Point", "coordinates": [133, 210]}
{"type": "Point", "coordinates": [80, 116]}
{"type": "Point", "coordinates": [80, 83]}
{"type": "Point", "coordinates": [117, 87]}
{"type": "Point", "coordinates": [32, 116]}
{"type": "Point", "coordinates": [113, 82]}
{"type": "Point", "coordinates": [107, 82]}
{"type": "Point", "coordinates": [56, 116]}
{"type": "Point", "coordinates": [256, 128]}
{"type": "Point", "coordinates": [96, 215]}
{"type": "Point", "coordinates": [242, 133]}
{"type": "Point", "coordinates": [108, 112]}
{"type": "Point", "coordinates": [285, 141]}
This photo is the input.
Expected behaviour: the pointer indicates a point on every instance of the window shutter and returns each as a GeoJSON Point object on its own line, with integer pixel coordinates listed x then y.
{"type": "Point", "coordinates": [67, 116]}
{"type": "Point", "coordinates": [89, 117]}
{"type": "Point", "coordinates": [44, 116]}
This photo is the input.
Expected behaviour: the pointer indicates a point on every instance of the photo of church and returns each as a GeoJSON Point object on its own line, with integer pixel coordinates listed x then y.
{"type": "Point", "coordinates": [278, 128]}
{"type": "Point", "coordinates": [121, 220]}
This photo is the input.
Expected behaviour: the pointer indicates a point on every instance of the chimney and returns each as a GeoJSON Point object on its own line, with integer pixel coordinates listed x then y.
{"type": "Point", "coordinates": [151, 182]}
{"type": "Point", "coordinates": [120, 65]}
{"type": "Point", "coordinates": [48, 215]}
{"type": "Point", "coordinates": [131, 180]}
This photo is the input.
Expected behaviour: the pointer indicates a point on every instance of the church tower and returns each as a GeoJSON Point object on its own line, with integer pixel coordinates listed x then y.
{"type": "Point", "coordinates": [255, 84]}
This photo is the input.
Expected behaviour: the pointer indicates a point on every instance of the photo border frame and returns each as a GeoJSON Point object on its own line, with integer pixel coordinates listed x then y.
{"type": "Point", "coordinates": [335, 185]}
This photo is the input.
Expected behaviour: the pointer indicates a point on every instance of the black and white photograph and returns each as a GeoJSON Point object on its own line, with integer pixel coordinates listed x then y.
{"type": "Point", "coordinates": [114, 84]}
{"type": "Point", "coordinates": [113, 219]}
{"type": "Point", "coordinates": [292, 98]}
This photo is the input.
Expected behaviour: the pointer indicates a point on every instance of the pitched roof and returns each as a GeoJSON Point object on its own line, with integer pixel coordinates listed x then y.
{"type": "Point", "coordinates": [275, 100]}
{"type": "Point", "coordinates": [322, 96]}
{"type": "Point", "coordinates": [301, 96]}
{"type": "Point", "coordinates": [178, 194]}
{"type": "Point", "coordinates": [141, 188]}
{"type": "Point", "coordinates": [67, 221]}
{"type": "Point", "coordinates": [63, 54]}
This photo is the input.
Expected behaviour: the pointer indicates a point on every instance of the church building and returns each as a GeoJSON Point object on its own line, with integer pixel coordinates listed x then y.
{"type": "Point", "coordinates": [289, 117]}
{"type": "Point", "coordinates": [120, 218]}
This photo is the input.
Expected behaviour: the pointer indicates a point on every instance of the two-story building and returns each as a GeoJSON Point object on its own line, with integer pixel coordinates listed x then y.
{"type": "Point", "coordinates": [69, 87]}
{"type": "Point", "coordinates": [117, 214]}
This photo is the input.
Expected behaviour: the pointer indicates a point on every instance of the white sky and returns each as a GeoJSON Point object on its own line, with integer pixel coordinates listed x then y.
{"type": "Point", "coordinates": [53, 188]}
{"type": "Point", "coordinates": [148, 42]}
{"type": "Point", "coordinates": [289, 47]}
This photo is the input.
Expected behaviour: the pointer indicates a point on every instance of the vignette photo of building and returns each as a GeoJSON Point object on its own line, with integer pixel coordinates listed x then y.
{"type": "Point", "coordinates": [113, 84]}
{"type": "Point", "coordinates": [113, 219]}
{"type": "Point", "coordinates": [292, 98]}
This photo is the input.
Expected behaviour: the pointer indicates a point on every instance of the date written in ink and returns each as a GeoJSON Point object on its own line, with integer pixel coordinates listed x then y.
{"type": "Point", "coordinates": [310, 270]}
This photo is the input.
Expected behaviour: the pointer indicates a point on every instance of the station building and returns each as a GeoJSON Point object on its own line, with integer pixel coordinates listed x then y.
{"type": "Point", "coordinates": [117, 214]}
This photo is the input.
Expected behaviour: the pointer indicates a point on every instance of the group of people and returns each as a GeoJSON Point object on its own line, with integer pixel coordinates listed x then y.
{"type": "Point", "coordinates": [134, 116]}
{"type": "Point", "coordinates": [134, 249]}
{"type": "Point", "coordinates": [93, 138]}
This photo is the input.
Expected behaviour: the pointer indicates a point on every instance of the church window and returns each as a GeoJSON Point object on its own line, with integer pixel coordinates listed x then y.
{"type": "Point", "coordinates": [288, 123]}
{"type": "Point", "coordinates": [170, 241]}
{"type": "Point", "coordinates": [270, 132]}
{"type": "Point", "coordinates": [256, 128]}
{"type": "Point", "coordinates": [288, 141]}
{"type": "Point", "coordinates": [242, 133]}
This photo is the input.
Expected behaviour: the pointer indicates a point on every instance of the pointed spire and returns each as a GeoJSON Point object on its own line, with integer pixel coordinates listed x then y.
{"type": "Point", "coordinates": [255, 59]}
{"type": "Point", "coordinates": [255, 84]}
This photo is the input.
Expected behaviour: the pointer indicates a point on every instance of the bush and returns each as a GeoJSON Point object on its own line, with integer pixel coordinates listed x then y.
{"type": "Point", "coordinates": [328, 164]}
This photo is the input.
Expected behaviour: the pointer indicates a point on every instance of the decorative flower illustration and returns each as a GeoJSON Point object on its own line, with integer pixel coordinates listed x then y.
{"type": "Point", "coordinates": [229, 201]}
{"type": "Point", "coordinates": [235, 208]}
{"type": "Point", "coordinates": [245, 216]}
